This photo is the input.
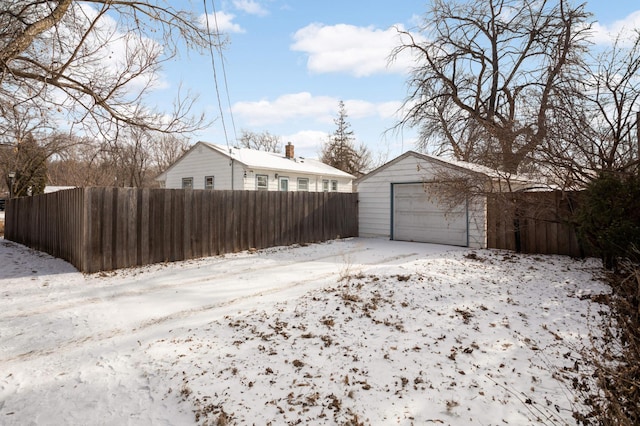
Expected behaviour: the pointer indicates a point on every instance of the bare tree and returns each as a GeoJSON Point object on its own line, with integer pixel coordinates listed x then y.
{"type": "Point", "coordinates": [263, 141]}
{"type": "Point", "coordinates": [93, 62]}
{"type": "Point", "coordinates": [340, 150]}
{"type": "Point", "coordinates": [595, 127]}
{"type": "Point", "coordinates": [83, 164]}
{"type": "Point", "coordinates": [27, 144]}
{"type": "Point", "coordinates": [134, 160]}
{"type": "Point", "coordinates": [141, 155]}
{"type": "Point", "coordinates": [166, 149]}
{"type": "Point", "coordinates": [28, 160]}
{"type": "Point", "coordinates": [488, 73]}
{"type": "Point", "coordinates": [91, 163]}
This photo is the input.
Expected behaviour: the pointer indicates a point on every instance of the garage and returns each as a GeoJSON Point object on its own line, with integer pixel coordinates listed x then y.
{"type": "Point", "coordinates": [418, 215]}
{"type": "Point", "coordinates": [399, 201]}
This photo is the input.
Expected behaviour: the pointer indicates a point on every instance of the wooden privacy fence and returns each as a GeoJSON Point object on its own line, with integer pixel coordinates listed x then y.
{"type": "Point", "coordinates": [98, 229]}
{"type": "Point", "coordinates": [534, 222]}
{"type": "Point", "coordinates": [53, 223]}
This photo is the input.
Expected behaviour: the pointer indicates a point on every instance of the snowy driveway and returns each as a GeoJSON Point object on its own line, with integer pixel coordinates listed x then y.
{"type": "Point", "coordinates": [321, 334]}
{"type": "Point", "coordinates": [46, 306]}
{"type": "Point", "coordinates": [53, 319]}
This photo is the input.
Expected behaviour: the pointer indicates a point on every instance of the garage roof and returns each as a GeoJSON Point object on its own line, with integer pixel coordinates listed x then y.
{"type": "Point", "coordinates": [459, 165]}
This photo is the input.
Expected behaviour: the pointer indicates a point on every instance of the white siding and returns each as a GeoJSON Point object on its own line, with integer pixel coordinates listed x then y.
{"type": "Point", "coordinates": [374, 207]}
{"type": "Point", "coordinates": [315, 181]}
{"type": "Point", "coordinates": [374, 199]}
{"type": "Point", "coordinates": [202, 161]}
{"type": "Point", "coordinates": [198, 163]}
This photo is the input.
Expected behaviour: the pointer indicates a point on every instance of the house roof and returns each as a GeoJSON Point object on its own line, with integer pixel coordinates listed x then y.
{"type": "Point", "coordinates": [49, 188]}
{"type": "Point", "coordinates": [459, 165]}
{"type": "Point", "coordinates": [263, 160]}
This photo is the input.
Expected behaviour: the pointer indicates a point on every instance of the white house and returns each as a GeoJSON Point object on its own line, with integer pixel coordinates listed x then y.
{"type": "Point", "coordinates": [210, 166]}
{"type": "Point", "coordinates": [399, 200]}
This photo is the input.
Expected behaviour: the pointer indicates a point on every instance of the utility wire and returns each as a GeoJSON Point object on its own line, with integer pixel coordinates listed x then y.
{"type": "Point", "coordinates": [213, 66]}
{"type": "Point", "coordinates": [224, 72]}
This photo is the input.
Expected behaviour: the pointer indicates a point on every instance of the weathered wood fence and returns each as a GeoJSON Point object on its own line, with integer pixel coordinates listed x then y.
{"type": "Point", "coordinates": [98, 229]}
{"type": "Point", "coordinates": [534, 222]}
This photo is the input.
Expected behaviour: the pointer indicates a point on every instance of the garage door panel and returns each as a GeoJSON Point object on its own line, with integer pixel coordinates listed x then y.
{"type": "Point", "coordinates": [435, 236]}
{"type": "Point", "coordinates": [432, 220]}
{"type": "Point", "coordinates": [418, 216]}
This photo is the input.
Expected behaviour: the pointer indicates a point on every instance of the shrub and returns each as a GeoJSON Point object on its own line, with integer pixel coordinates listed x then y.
{"type": "Point", "coordinates": [616, 358]}
{"type": "Point", "coordinates": [609, 217]}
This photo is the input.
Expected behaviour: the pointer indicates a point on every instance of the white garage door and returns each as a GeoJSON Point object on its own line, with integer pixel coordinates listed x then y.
{"type": "Point", "coordinates": [419, 216]}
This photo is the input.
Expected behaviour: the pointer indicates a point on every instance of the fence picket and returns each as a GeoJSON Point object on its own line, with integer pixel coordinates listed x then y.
{"type": "Point", "coordinates": [544, 222]}
{"type": "Point", "coordinates": [99, 229]}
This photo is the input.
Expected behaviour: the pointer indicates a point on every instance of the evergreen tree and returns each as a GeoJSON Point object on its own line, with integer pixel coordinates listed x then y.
{"type": "Point", "coordinates": [31, 167]}
{"type": "Point", "coordinates": [340, 150]}
{"type": "Point", "coordinates": [609, 217]}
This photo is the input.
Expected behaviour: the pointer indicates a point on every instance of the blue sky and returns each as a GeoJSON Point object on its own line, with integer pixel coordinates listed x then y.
{"type": "Point", "coordinates": [289, 62]}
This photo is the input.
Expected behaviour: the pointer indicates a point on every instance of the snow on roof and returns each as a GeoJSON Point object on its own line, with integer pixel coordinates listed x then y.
{"type": "Point", "coordinates": [475, 168]}
{"type": "Point", "coordinates": [52, 188]}
{"type": "Point", "coordinates": [465, 165]}
{"type": "Point", "coordinates": [498, 174]}
{"type": "Point", "coordinates": [275, 161]}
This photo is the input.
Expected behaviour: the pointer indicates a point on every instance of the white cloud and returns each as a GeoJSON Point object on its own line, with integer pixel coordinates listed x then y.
{"type": "Point", "coordinates": [113, 54]}
{"type": "Point", "coordinates": [224, 22]}
{"type": "Point", "coordinates": [360, 51]}
{"type": "Point", "coordinates": [308, 143]}
{"type": "Point", "coordinates": [304, 105]}
{"type": "Point", "coordinates": [625, 29]}
{"type": "Point", "coordinates": [362, 109]}
{"type": "Point", "coordinates": [251, 7]}
{"type": "Point", "coordinates": [392, 109]}
{"type": "Point", "coordinates": [286, 107]}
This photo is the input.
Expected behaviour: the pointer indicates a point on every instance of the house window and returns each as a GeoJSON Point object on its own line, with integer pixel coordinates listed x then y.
{"type": "Point", "coordinates": [334, 185]}
{"type": "Point", "coordinates": [303, 184]}
{"type": "Point", "coordinates": [283, 183]}
{"type": "Point", "coordinates": [325, 185]}
{"type": "Point", "coordinates": [208, 182]}
{"type": "Point", "coordinates": [187, 183]}
{"type": "Point", "coordinates": [262, 182]}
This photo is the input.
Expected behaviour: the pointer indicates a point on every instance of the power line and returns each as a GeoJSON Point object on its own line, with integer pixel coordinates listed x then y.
{"type": "Point", "coordinates": [215, 74]}
{"type": "Point", "coordinates": [224, 72]}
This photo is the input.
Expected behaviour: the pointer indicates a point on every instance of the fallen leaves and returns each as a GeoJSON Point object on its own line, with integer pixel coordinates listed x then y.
{"type": "Point", "coordinates": [374, 341]}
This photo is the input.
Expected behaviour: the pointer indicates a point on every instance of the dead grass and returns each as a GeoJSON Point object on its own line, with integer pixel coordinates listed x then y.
{"type": "Point", "coordinates": [466, 315]}
{"type": "Point", "coordinates": [362, 297]}
{"type": "Point", "coordinates": [612, 390]}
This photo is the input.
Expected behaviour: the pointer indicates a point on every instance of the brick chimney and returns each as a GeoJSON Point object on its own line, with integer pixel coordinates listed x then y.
{"type": "Point", "coordinates": [288, 151]}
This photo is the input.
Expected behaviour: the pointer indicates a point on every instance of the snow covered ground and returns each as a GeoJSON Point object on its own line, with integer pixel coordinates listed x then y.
{"type": "Point", "coordinates": [357, 331]}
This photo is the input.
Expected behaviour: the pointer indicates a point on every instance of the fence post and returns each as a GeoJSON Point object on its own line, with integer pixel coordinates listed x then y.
{"type": "Point", "coordinates": [106, 228]}
{"type": "Point", "coordinates": [517, 232]}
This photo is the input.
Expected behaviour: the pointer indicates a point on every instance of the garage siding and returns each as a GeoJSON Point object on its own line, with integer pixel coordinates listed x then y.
{"type": "Point", "coordinates": [374, 196]}
{"type": "Point", "coordinates": [478, 223]}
